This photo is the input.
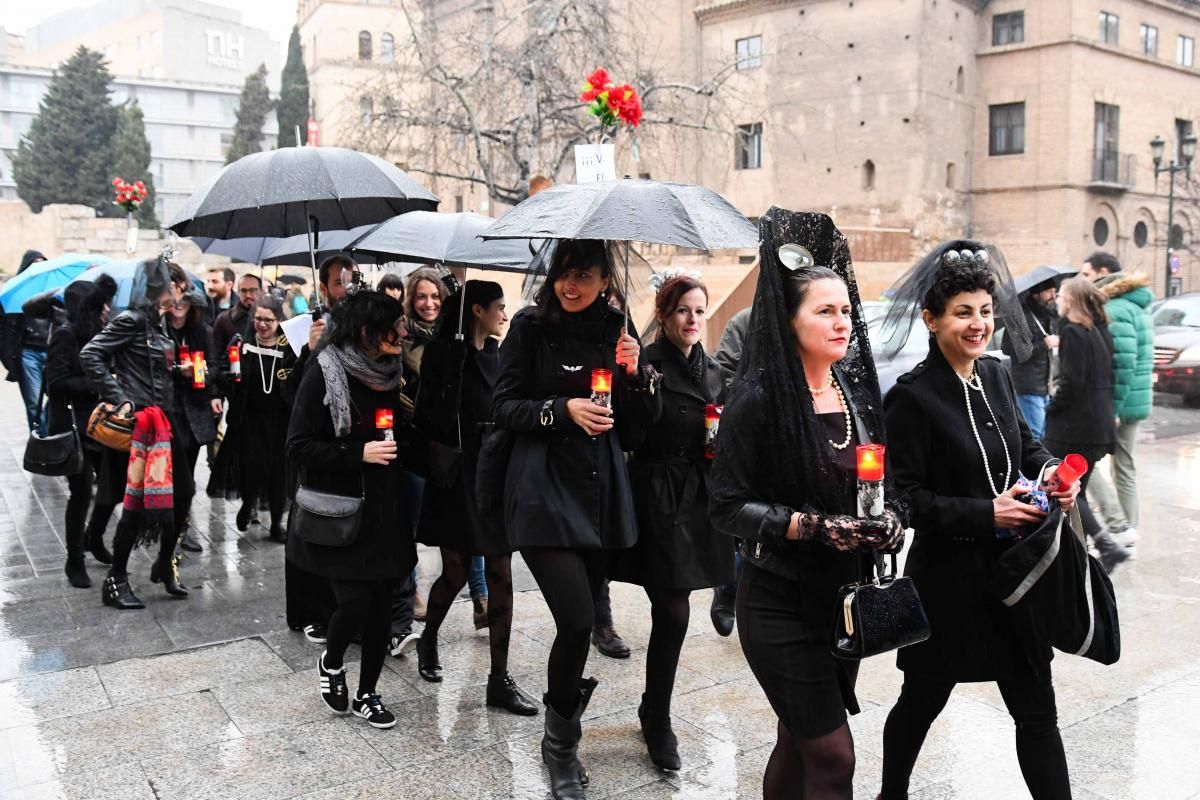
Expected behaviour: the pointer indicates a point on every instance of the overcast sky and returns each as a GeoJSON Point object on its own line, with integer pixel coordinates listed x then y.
{"type": "Point", "coordinates": [275, 16]}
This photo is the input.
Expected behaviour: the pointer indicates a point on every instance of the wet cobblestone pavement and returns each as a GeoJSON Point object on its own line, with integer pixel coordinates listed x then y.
{"type": "Point", "coordinates": [213, 697]}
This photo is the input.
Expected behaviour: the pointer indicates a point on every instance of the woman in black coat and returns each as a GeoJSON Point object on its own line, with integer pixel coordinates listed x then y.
{"type": "Point", "coordinates": [459, 369]}
{"type": "Point", "coordinates": [335, 443]}
{"type": "Point", "coordinates": [1080, 418]}
{"type": "Point", "coordinates": [195, 407]}
{"type": "Point", "coordinates": [784, 483]}
{"type": "Point", "coordinates": [677, 550]}
{"type": "Point", "coordinates": [958, 443]}
{"type": "Point", "coordinates": [71, 400]}
{"type": "Point", "coordinates": [256, 425]}
{"type": "Point", "coordinates": [567, 500]}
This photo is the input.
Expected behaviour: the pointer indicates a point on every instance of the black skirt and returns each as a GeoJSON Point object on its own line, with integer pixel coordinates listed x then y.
{"type": "Point", "coordinates": [808, 688]}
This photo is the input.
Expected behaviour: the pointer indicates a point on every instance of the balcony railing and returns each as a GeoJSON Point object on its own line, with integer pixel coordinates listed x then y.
{"type": "Point", "coordinates": [1111, 170]}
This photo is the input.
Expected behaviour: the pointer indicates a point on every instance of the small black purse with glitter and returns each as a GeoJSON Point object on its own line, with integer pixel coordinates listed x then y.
{"type": "Point", "coordinates": [876, 616]}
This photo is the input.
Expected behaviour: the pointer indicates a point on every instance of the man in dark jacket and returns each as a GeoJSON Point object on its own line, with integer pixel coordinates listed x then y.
{"type": "Point", "coordinates": [218, 284]}
{"type": "Point", "coordinates": [1129, 298]}
{"type": "Point", "coordinates": [1031, 377]}
{"type": "Point", "coordinates": [13, 341]}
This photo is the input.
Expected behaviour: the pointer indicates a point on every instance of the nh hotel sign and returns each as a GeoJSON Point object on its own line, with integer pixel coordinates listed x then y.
{"type": "Point", "coordinates": [226, 49]}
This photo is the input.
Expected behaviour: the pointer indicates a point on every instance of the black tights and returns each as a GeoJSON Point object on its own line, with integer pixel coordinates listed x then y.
{"type": "Point", "coordinates": [79, 498]}
{"type": "Point", "coordinates": [820, 768]}
{"type": "Point", "coordinates": [497, 571]}
{"type": "Point", "coordinates": [126, 536]}
{"type": "Point", "coordinates": [1030, 701]}
{"type": "Point", "coordinates": [669, 613]}
{"type": "Point", "coordinates": [570, 581]}
{"type": "Point", "coordinates": [364, 606]}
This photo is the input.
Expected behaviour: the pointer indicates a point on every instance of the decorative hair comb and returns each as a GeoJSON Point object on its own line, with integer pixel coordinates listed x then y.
{"type": "Point", "coordinates": [952, 258]}
{"type": "Point", "coordinates": [795, 258]}
{"type": "Point", "coordinates": [659, 279]}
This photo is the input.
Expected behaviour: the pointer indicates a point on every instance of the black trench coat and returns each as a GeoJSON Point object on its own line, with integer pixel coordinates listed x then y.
{"type": "Point", "coordinates": [384, 548]}
{"type": "Point", "coordinates": [938, 470]}
{"type": "Point", "coordinates": [450, 517]}
{"type": "Point", "coordinates": [565, 488]}
{"type": "Point", "coordinates": [677, 548]}
{"type": "Point", "coordinates": [1081, 412]}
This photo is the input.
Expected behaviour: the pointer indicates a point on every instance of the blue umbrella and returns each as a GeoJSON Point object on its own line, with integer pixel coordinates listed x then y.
{"type": "Point", "coordinates": [43, 277]}
{"type": "Point", "coordinates": [122, 272]}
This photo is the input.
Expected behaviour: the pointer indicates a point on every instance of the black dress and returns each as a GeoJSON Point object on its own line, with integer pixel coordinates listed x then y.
{"type": "Point", "coordinates": [938, 469]}
{"type": "Point", "coordinates": [677, 547]}
{"type": "Point", "coordinates": [450, 517]}
{"type": "Point", "coordinates": [384, 548]}
{"type": "Point", "coordinates": [564, 488]}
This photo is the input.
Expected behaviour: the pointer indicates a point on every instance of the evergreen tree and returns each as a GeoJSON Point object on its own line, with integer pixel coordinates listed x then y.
{"type": "Point", "coordinates": [253, 107]}
{"type": "Point", "coordinates": [131, 158]}
{"type": "Point", "coordinates": [292, 110]}
{"type": "Point", "coordinates": [66, 156]}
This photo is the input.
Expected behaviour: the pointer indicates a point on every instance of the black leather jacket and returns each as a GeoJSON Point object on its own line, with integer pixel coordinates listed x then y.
{"type": "Point", "coordinates": [129, 360]}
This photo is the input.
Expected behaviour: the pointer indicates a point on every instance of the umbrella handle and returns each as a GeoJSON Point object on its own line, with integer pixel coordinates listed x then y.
{"type": "Point", "coordinates": [311, 222]}
{"type": "Point", "coordinates": [628, 245]}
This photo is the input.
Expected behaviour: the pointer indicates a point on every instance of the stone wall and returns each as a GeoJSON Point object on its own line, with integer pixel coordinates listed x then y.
{"type": "Point", "coordinates": [76, 229]}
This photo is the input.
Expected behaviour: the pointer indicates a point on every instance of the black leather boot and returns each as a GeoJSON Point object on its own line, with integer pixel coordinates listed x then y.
{"type": "Point", "coordinates": [168, 576]}
{"type": "Point", "coordinates": [560, 747]}
{"type": "Point", "coordinates": [661, 743]}
{"type": "Point", "coordinates": [502, 692]}
{"type": "Point", "coordinates": [1111, 553]}
{"type": "Point", "coordinates": [427, 659]}
{"type": "Point", "coordinates": [95, 543]}
{"type": "Point", "coordinates": [116, 593]}
{"type": "Point", "coordinates": [243, 517]}
{"type": "Point", "coordinates": [74, 531]}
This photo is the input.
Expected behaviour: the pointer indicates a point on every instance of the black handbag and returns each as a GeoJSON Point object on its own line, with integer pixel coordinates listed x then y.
{"type": "Point", "coordinates": [58, 455]}
{"type": "Point", "coordinates": [324, 518]}
{"type": "Point", "coordinates": [876, 616]}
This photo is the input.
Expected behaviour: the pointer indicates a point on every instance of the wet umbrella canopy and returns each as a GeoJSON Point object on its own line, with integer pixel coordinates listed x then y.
{"type": "Point", "coordinates": [451, 239]}
{"type": "Point", "coordinates": [629, 210]}
{"type": "Point", "coordinates": [289, 251]}
{"type": "Point", "coordinates": [1042, 277]}
{"type": "Point", "coordinates": [274, 193]}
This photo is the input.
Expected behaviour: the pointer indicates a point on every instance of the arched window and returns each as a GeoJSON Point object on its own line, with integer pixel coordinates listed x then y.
{"type": "Point", "coordinates": [364, 45]}
{"type": "Point", "coordinates": [366, 110]}
{"type": "Point", "coordinates": [868, 175]}
{"type": "Point", "coordinates": [387, 48]}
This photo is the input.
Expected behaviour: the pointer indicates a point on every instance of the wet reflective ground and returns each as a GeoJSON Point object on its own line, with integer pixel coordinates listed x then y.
{"type": "Point", "coordinates": [212, 697]}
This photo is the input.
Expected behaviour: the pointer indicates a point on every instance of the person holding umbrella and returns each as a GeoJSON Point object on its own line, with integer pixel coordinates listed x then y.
{"type": "Point", "coordinates": [454, 406]}
{"type": "Point", "coordinates": [16, 338]}
{"type": "Point", "coordinates": [567, 498]}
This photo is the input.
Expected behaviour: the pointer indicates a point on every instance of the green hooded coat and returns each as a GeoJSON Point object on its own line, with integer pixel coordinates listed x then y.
{"type": "Point", "coordinates": [1129, 297]}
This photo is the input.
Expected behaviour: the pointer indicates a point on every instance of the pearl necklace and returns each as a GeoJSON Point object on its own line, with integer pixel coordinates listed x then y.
{"type": "Point", "coordinates": [823, 389]}
{"type": "Point", "coordinates": [845, 411]}
{"type": "Point", "coordinates": [267, 386]}
{"type": "Point", "coordinates": [976, 382]}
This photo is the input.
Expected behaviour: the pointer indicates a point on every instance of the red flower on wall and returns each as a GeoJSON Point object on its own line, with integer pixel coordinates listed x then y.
{"type": "Point", "coordinates": [128, 196]}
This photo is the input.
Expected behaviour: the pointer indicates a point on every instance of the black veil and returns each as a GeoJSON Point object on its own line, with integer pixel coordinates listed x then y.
{"type": "Point", "coordinates": [771, 378]}
{"type": "Point", "coordinates": [909, 293]}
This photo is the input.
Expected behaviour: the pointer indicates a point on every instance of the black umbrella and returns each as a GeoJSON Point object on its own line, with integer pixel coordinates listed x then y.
{"type": "Point", "coordinates": [451, 239]}
{"type": "Point", "coordinates": [1042, 274]}
{"type": "Point", "coordinates": [299, 190]}
{"type": "Point", "coordinates": [629, 210]}
{"type": "Point", "coordinates": [288, 280]}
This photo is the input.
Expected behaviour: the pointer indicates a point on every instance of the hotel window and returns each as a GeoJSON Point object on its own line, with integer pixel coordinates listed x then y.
{"type": "Point", "coordinates": [749, 52]}
{"type": "Point", "coordinates": [1008, 28]}
{"type": "Point", "coordinates": [748, 152]}
{"type": "Point", "coordinates": [1185, 51]}
{"type": "Point", "coordinates": [1006, 135]}
{"type": "Point", "coordinates": [1148, 34]}
{"type": "Point", "coordinates": [1108, 27]}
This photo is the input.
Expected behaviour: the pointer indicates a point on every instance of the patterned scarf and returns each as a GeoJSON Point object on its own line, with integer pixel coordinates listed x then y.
{"type": "Point", "coordinates": [149, 480]}
{"type": "Point", "coordinates": [381, 375]}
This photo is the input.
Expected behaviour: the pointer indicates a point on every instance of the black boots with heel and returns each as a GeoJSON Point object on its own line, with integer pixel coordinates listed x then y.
{"type": "Point", "coordinates": [117, 593]}
{"type": "Point", "coordinates": [168, 575]}
{"type": "Point", "coordinates": [560, 747]}
{"type": "Point", "coordinates": [661, 743]}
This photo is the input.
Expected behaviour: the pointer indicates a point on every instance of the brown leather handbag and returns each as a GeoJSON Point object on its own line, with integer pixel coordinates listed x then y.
{"type": "Point", "coordinates": [112, 425]}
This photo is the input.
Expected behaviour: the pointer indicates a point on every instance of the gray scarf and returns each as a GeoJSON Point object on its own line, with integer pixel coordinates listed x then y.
{"type": "Point", "coordinates": [383, 375]}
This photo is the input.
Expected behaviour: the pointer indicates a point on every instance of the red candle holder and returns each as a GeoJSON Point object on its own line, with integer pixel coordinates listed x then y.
{"type": "Point", "coordinates": [602, 387]}
{"type": "Point", "coordinates": [870, 461]}
{"type": "Point", "coordinates": [712, 423]}
{"type": "Point", "coordinates": [384, 417]}
{"type": "Point", "coordinates": [235, 363]}
{"type": "Point", "coordinates": [1072, 468]}
{"type": "Point", "coordinates": [199, 370]}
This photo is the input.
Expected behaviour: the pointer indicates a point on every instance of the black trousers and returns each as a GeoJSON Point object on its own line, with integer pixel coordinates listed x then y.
{"type": "Point", "coordinates": [1029, 700]}
{"type": "Point", "coordinates": [79, 487]}
{"type": "Point", "coordinates": [571, 581]}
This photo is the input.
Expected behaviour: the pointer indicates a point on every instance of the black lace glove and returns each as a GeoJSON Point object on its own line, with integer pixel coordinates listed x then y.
{"type": "Point", "coordinates": [849, 534]}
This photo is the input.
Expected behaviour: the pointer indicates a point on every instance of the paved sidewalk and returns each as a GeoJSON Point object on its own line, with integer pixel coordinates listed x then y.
{"type": "Point", "coordinates": [212, 697]}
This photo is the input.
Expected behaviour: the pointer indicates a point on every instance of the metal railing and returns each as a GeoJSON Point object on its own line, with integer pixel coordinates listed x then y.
{"type": "Point", "coordinates": [1112, 168]}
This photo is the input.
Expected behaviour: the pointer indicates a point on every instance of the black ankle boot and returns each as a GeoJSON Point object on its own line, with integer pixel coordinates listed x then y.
{"type": "Point", "coordinates": [277, 533]}
{"type": "Point", "coordinates": [77, 572]}
{"type": "Point", "coordinates": [168, 576]}
{"type": "Point", "coordinates": [560, 752]}
{"type": "Point", "coordinates": [95, 545]}
{"type": "Point", "coordinates": [502, 692]}
{"type": "Point", "coordinates": [1112, 554]}
{"type": "Point", "coordinates": [243, 517]}
{"type": "Point", "coordinates": [661, 743]}
{"type": "Point", "coordinates": [427, 659]}
{"type": "Point", "coordinates": [116, 593]}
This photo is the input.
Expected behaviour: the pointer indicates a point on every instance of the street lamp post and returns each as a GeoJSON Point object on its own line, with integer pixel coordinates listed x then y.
{"type": "Point", "coordinates": [1187, 151]}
